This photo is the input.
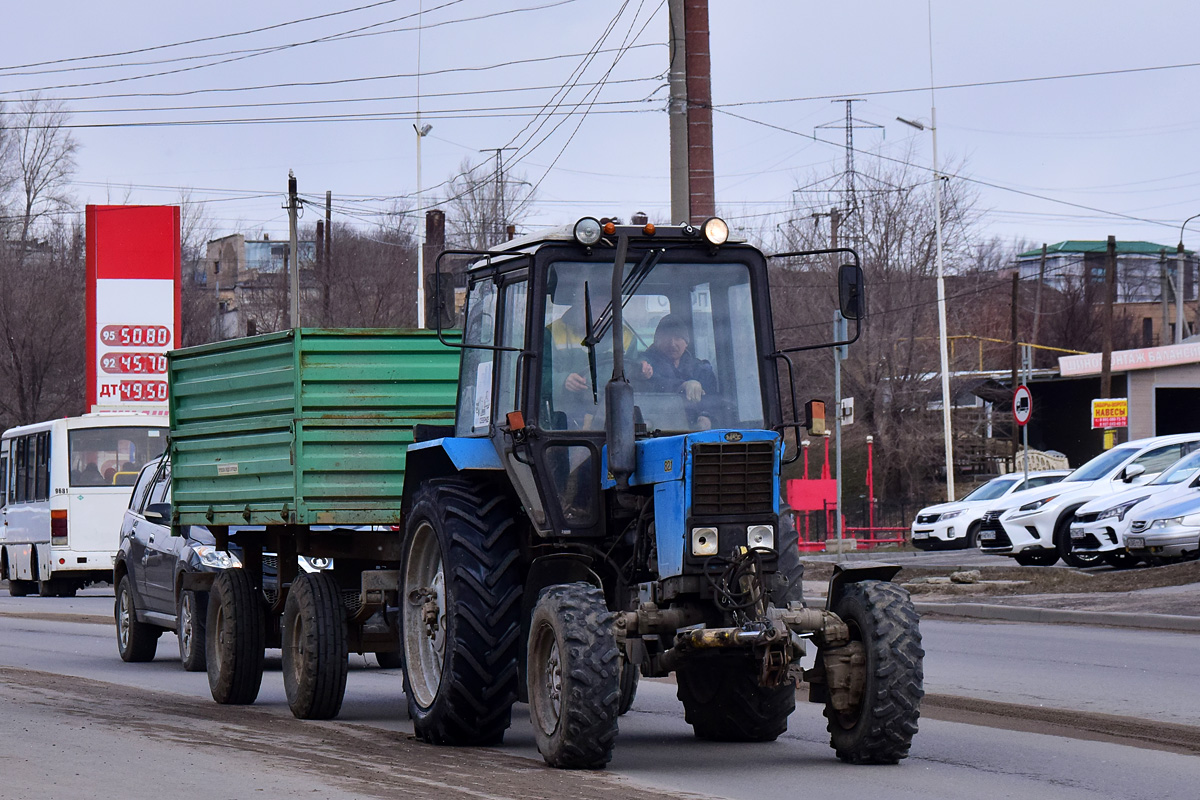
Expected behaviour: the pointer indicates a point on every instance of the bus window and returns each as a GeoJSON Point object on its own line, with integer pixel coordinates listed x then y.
{"type": "Point", "coordinates": [112, 456]}
{"type": "Point", "coordinates": [41, 478]}
{"type": "Point", "coordinates": [4, 481]}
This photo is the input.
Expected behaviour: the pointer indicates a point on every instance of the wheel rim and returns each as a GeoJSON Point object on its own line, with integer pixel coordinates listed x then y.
{"type": "Point", "coordinates": [424, 615]}
{"type": "Point", "coordinates": [186, 620]}
{"type": "Point", "coordinates": [123, 614]}
{"type": "Point", "coordinates": [294, 644]}
{"type": "Point", "coordinates": [545, 684]}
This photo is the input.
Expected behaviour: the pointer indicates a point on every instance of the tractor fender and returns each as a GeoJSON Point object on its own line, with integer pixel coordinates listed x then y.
{"type": "Point", "coordinates": [845, 574]}
{"type": "Point", "coordinates": [440, 458]}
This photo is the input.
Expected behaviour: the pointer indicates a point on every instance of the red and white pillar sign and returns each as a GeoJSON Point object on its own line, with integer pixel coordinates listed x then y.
{"type": "Point", "coordinates": [133, 305]}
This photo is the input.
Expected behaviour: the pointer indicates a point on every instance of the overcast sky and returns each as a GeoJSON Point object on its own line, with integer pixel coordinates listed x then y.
{"type": "Point", "coordinates": [1069, 158]}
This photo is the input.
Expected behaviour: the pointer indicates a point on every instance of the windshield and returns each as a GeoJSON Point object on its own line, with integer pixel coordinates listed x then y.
{"type": "Point", "coordinates": [112, 456]}
{"type": "Point", "coordinates": [1184, 470]}
{"type": "Point", "coordinates": [690, 349]}
{"type": "Point", "coordinates": [992, 489]}
{"type": "Point", "coordinates": [1101, 465]}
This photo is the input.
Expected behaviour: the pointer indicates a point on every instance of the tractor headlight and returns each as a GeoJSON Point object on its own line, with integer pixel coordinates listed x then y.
{"type": "Point", "coordinates": [217, 559]}
{"type": "Point", "coordinates": [587, 231]}
{"type": "Point", "coordinates": [761, 536]}
{"type": "Point", "coordinates": [716, 231]}
{"type": "Point", "coordinates": [704, 541]}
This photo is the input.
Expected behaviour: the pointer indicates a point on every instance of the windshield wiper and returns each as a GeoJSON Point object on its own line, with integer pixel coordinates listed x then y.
{"type": "Point", "coordinates": [589, 341]}
{"type": "Point", "coordinates": [629, 287]}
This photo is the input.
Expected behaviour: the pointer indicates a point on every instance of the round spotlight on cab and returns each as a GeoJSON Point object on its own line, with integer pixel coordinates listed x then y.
{"type": "Point", "coordinates": [716, 232]}
{"type": "Point", "coordinates": [587, 231]}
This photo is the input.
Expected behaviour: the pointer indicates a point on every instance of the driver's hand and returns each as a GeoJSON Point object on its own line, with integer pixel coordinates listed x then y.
{"type": "Point", "coordinates": [647, 370]}
{"type": "Point", "coordinates": [693, 391]}
{"type": "Point", "coordinates": [575, 382]}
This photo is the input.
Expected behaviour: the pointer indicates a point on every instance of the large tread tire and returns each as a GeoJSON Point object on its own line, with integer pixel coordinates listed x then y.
{"type": "Point", "coordinates": [137, 642]}
{"type": "Point", "coordinates": [191, 611]}
{"type": "Point", "coordinates": [315, 654]}
{"type": "Point", "coordinates": [723, 702]}
{"type": "Point", "coordinates": [881, 615]}
{"type": "Point", "coordinates": [1037, 558]}
{"type": "Point", "coordinates": [789, 576]}
{"type": "Point", "coordinates": [574, 677]}
{"type": "Point", "coordinates": [461, 545]}
{"type": "Point", "coordinates": [235, 638]}
{"type": "Point", "coordinates": [629, 686]}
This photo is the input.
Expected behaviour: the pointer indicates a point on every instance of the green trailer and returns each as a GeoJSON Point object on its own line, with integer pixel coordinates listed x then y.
{"type": "Point", "coordinates": [303, 427]}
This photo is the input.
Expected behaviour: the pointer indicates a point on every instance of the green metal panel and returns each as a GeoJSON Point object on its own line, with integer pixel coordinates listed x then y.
{"type": "Point", "coordinates": [308, 426]}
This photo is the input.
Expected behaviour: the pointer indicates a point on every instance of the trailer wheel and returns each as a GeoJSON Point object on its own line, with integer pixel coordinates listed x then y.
{"type": "Point", "coordinates": [574, 677]}
{"type": "Point", "coordinates": [190, 611]}
{"type": "Point", "coordinates": [315, 656]}
{"type": "Point", "coordinates": [629, 685]}
{"type": "Point", "coordinates": [460, 613]}
{"type": "Point", "coordinates": [235, 638]}
{"type": "Point", "coordinates": [723, 702]}
{"type": "Point", "coordinates": [136, 641]}
{"type": "Point", "coordinates": [879, 728]}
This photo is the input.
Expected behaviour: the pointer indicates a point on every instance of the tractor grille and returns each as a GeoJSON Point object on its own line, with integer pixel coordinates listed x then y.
{"type": "Point", "coordinates": [733, 478]}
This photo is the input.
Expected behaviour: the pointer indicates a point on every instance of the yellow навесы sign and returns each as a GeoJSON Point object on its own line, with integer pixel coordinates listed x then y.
{"type": "Point", "coordinates": [1111, 412]}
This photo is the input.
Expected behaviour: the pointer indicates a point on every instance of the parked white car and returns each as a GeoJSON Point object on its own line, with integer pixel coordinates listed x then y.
{"type": "Point", "coordinates": [1166, 530]}
{"type": "Point", "coordinates": [955, 526]}
{"type": "Point", "coordinates": [1100, 526]}
{"type": "Point", "coordinates": [1033, 526]}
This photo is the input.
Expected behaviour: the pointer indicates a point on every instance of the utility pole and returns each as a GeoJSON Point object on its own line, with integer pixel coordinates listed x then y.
{"type": "Point", "coordinates": [499, 212]}
{"type": "Point", "coordinates": [1110, 287]}
{"type": "Point", "coordinates": [1016, 428]}
{"type": "Point", "coordinates": [293, 207]}
{"type": "Point", "coordinates": [693, 193]}
{"type": "Point", "coordinates": [327, 261]}
{"type": "Point", "coordinates": [1180, 265]}
{"type": "Point", "coordinates": [1037, 297]}
{"type": "Point", "coordinates": [1166, 292]}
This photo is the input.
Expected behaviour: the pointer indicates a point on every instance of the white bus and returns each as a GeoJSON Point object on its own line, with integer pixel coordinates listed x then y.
{"type": "Point", "coordinates": [65, 486]}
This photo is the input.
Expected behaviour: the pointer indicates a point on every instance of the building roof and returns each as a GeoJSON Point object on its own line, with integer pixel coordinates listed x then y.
{"type": "Point", "coordinates": [1083, 246]}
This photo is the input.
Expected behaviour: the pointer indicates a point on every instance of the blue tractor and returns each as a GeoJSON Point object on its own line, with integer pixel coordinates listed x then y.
{"type": "Point", "coordinates": [607, 504]}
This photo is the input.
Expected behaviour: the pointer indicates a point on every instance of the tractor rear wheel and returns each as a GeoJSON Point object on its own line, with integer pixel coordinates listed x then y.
{"type": "Point", "coordinates": [460, 613]}
{"type": "Point", "coordinates": [724, 703]}
{"type": "Point", "coordinates": [574, 677]}
{"type": "Point", "coordinates": [878, 727]}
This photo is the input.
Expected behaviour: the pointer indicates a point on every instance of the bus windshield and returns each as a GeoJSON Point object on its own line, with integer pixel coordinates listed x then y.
{"type": "Point", "coordinates": [112, 456]}
{"type": "Point", "coordinates": [690, 348]}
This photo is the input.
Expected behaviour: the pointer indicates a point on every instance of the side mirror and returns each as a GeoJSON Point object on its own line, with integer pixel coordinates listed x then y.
{"type": "Point", "coordinates": [1132, 471]}
{"type": "Point", "coordinates": [851, 295]}
{"type": "Point", "coordinates": [158, 513]}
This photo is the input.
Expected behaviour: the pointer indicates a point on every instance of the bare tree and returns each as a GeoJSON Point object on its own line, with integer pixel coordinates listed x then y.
{"type": "Point", "coordinates": [44, 158]}
{"type": "Point", "coordinates": [480, 204]}
{"type": "Point", "coordinates": [198, 304]}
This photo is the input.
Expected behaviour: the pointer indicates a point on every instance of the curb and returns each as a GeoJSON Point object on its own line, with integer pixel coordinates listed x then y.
{"type": "Point", "coordinates": [1059, 616]}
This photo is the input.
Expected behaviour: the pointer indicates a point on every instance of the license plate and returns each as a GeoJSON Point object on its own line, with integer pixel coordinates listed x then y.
{"type": "Point", "coordinates": [987, 536]}
{"type": "Point", "coordinates": [921, 534]}
{"type": "Point", "coordinates": [1135, 541]}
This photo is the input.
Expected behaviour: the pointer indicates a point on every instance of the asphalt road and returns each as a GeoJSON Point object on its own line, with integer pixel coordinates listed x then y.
{"type": "Point", "coordinates": [81, 719]}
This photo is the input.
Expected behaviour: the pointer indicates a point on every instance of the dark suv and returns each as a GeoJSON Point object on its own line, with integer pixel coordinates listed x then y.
{"type": "Point", "coordinates": [157, 575]}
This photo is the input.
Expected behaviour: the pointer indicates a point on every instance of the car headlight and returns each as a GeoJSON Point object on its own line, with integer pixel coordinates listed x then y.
{"type": "Point", "coordinates": [1036, 504]}
{"type": "Point", "coordinates": [948, 515]}
{"type": "Point", "coordinates": [1166, 523]}
{"type": "Point", "coordinates": [704, 541]}
{"type": "Point", "coordinates": [1121, 510]}
{"type": "Point", "coordinates": [761, 536]}
{"type": "Point", "coordinates": [217, 559]}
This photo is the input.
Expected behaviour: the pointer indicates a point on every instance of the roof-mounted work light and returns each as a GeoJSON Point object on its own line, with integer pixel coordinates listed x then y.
{"type": "Point", "coordinates": [587, 231]}
{"type": "Point", "coordinates": [716, 232]}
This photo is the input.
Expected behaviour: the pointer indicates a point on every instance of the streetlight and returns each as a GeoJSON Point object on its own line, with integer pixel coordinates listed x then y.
{"type": "Point", "coordinates": [422, 131]}
{"type": "Point", "coordinates": [1182, 265]}
{"type": "Point", "coordinates": [941, 300]}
